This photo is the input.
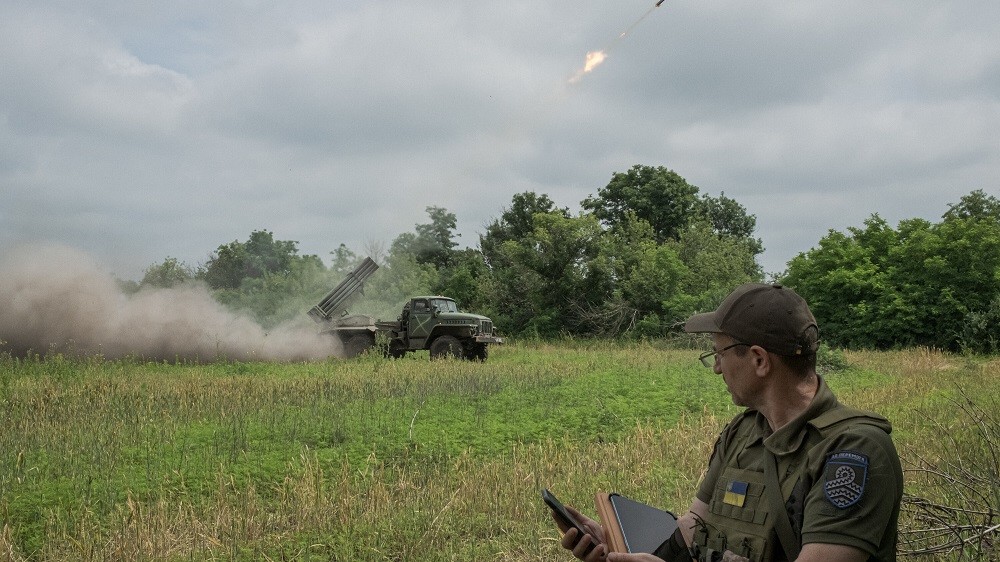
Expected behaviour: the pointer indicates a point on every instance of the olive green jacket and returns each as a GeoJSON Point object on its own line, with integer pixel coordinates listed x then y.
{"type": "Point", "coordinates": [839, 475]}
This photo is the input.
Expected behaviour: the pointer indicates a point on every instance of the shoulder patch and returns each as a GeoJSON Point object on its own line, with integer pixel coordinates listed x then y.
{"type": "Point", "coordinates": [845, 474]}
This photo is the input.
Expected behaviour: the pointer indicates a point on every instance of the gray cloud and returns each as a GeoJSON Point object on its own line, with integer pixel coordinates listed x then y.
{"type": "Point", "coordinates": [142, 131]}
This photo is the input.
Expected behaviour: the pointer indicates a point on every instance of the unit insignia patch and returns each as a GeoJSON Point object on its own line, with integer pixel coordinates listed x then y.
{"type": "Point", "coordinates": [845, 473]}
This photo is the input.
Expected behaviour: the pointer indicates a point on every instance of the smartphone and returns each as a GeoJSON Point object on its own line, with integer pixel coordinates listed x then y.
{"type": "Point", "coordinates": [564, 515]}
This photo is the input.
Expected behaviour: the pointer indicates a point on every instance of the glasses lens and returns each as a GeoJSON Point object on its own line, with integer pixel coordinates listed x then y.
{"type": "Point", "coordinates": [708, 359]}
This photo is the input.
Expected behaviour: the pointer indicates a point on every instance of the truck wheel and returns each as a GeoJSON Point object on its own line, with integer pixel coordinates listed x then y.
{"type": "Point", "coordinates": [358, 344]}
{"type": "Point", "coordinates": [477, 352]}
{"type": "Point", "coordinates": [446, 346]}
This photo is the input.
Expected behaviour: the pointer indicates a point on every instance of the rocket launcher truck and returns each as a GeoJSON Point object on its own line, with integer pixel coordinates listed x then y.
{"type": "Point", "coordinates": [432, 322]}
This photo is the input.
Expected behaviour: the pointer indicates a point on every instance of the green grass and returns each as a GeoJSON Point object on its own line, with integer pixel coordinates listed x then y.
{"type": "Point", "coordinates": [372, 459]}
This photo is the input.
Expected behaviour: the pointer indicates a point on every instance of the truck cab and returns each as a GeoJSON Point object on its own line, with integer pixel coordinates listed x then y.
{"type": "Point", "coordinates": [434, 322]}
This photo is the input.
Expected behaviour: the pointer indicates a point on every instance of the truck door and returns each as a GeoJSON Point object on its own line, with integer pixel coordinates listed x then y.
{"type": "Point", "coordinates": [421, 323]}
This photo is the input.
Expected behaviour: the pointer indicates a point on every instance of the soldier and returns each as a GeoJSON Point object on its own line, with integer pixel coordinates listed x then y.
{"type": "Point", "coordinates": [797, 475]}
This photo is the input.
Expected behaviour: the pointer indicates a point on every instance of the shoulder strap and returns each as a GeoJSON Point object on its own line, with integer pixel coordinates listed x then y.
{"type": "Point", "coordinates": [782, 525]}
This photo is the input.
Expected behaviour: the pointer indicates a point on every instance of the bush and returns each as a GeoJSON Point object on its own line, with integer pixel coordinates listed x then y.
{"type": "Point", "coordinates": [981, 328]}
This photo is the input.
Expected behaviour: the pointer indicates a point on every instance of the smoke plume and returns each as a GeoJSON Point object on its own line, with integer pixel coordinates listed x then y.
{"type": "Point", "coordinates": [57, 299]}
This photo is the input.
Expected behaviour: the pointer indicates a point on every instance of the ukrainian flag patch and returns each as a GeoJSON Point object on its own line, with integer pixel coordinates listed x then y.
{"type": "Point", "coordinates": [736, 493]}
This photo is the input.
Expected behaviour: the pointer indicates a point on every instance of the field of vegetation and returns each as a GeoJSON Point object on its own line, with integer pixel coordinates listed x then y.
{"type": "Point", "coordinates": [373, 459]}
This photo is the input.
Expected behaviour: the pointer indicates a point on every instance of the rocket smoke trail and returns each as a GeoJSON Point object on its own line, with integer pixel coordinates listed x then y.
{"type": "Point", "coordinates": [595, 58]}
{"type": "Point", "coordinates": [637, 22]}
{"type": "Point", "coordinates": [57, 299]}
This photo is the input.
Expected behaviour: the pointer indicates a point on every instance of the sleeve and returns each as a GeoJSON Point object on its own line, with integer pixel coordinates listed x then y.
{"type": "Point", "coordinates": [707, 486]}
{"type": "Point", "coordinates": [855, 495]}
{"type": "Point", "coordinates": [673, 549]}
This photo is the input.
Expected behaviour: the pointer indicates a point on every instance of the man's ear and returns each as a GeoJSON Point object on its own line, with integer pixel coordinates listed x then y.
{"type": "Point", "coordinates": [761, 360]}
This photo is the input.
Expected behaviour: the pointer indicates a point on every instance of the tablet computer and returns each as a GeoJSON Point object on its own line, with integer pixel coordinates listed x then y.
{"type": "Point", "coordinates": [633, 526]}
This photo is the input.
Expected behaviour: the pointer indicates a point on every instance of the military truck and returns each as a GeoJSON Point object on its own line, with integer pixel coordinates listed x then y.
{"type": "Point", "coordinates": [430, 322]}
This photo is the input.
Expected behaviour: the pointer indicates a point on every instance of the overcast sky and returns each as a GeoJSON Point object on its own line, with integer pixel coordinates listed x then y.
{"type": "Point", "coordinates": [144, 129]}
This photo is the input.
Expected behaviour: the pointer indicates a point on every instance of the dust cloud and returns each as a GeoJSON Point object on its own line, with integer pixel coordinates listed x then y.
{"type": "Point", "coordinates": [56, 299]}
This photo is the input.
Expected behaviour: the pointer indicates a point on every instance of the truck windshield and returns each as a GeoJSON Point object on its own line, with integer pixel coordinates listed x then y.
{"type": "Point", "coordinates": [444, 305]}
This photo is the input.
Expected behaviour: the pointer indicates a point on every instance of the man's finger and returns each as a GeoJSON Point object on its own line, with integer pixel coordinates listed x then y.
{"type": "Point", "coordinates": [569, 538]}
{"type": "Point", "coordinates": [584, 547]}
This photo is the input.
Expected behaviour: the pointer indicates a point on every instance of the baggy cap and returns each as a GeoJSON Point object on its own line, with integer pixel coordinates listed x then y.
{"type": "Point", "coordinates": [771, 316]}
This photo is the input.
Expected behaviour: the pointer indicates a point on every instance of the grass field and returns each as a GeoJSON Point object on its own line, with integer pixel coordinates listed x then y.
{"type": "Point", "coordinates": [372, 459]}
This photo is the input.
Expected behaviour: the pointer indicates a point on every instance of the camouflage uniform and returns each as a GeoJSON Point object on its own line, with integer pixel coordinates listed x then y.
{"type": "Point", "coordinates": [839, 475]}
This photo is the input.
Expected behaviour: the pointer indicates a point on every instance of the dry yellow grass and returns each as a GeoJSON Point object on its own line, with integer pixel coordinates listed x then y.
{"type": "Point", "coordinates": [446, 507]}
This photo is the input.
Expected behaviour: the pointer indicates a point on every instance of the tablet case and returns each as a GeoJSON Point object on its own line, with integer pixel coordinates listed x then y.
{"type": "Point", "coordinates": [632, 526]}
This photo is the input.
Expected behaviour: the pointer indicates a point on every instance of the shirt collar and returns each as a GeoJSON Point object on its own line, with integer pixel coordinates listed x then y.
{"type": "Point", "coordinates": [789, 437]}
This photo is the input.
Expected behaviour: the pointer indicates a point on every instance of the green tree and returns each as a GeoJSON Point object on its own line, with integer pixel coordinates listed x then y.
{"type": "Point", "coordinates": [267, 255]}
{"type": "Point", "coordinates": [920, 284]}
{"type": "Point", "coordinates": [278, 297]}
{"type": "Point", "coordinates": [643, 276]}
{"type": "Point", "coordinates": [226, 268]}
{"type": "Point", "coordinates": [516, 223]}
{"type": "Point", "coordinates": [432, 243]}
{"type": "Point", "coordinates": [541, 284]}
{"type": "Point", "coordinates": [975, 205]}
{"type": "Point", "coordinates": [713, 265]}
{"type": "Point", "coordinates": [343, 261]}
{"type": "Point", "coordinates": [399, 278]}
{"type": "Point", "coordinates": [512, 291]}
{"type": "Point", "coordinates": [846, 285]}
{"type": "Point", "coordinates": [464, 280]}
{"type": "Point", "coordinates": [264, 277]}
{"type": "Point", "coordinates": [657, 195]}
{"type": "Point", "coordinates": [670, 205]}
{"type": "Point", "coordinates": [944, 272]}
{"type": "Point", "coordinates": [981, 329]}
{"type": "Point", "coordinates": [169, 273]}
{"type": "Point", "coordinates": [728, 218]}
{"type": "Point", "coordinates": [612, 270]}
{"type": "Point", "coordinates": [261, 254]}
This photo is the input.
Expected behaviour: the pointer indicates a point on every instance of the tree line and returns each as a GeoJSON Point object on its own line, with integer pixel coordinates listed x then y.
{"type": "Point", "coordinates": [644, 253]}
{"type": "Point", "coordinates": [919, 284]}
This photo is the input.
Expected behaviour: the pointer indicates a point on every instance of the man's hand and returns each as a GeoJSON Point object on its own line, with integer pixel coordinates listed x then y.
{"type": "Point", "coordinates": [590, 547]}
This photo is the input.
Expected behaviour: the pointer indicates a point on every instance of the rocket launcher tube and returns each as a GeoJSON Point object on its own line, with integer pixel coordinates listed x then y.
{"type": "Point", "coordinates": [333, 303]}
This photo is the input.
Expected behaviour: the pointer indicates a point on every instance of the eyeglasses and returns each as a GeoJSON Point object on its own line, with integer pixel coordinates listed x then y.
{"type": "Point", "coordinates": [708, 358]}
